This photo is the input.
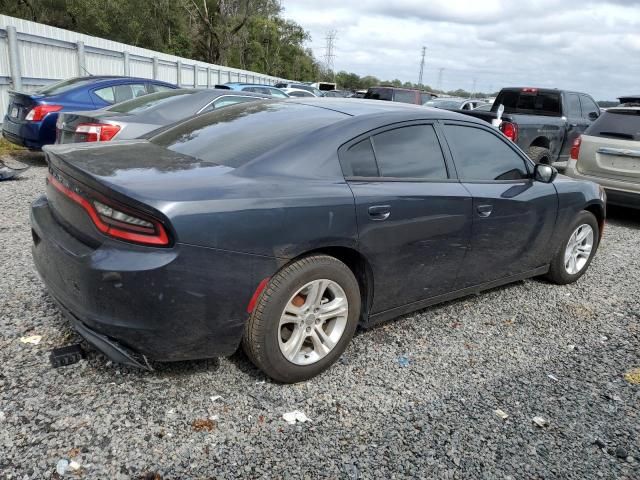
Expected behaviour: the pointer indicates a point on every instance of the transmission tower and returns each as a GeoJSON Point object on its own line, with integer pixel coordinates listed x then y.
{"type": "Point", "coordinates": [424, 52]}
{"type": "Point", "coordinates": [440, 73]}
{"type": "Point", "coordinates": [329, 56]}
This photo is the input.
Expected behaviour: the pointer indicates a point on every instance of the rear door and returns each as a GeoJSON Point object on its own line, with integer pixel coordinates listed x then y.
{"type": "Point", "coordinates": [576, 123]}
{"type": "Point", "coordinates": [414, 218]}
{"type": "Point", "coordinates": [513, 215]}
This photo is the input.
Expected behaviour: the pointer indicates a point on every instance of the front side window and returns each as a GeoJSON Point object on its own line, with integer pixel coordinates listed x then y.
{"type": "Point", "coordinates": [573, 106]}
{"type": "Point", "coordinates": [483, 156]}
{"type": "Point", "coordinates": [410, 152]}
{"type": "Point", "coordinates": [588, 106]}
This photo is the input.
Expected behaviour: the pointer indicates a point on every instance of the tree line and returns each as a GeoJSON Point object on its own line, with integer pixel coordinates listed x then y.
{"type": "Point", "coordinates": [247, 34]}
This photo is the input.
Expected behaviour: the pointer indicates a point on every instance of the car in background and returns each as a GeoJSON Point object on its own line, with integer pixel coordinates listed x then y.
{"type": "Point", "coordinates": [299, 92]}
{"type": "Point", "coordinates": [454, 103]}
{"type": "Point", "coordinates": [31, 117]}
{"type": "Point", "coordinates": [300, 86]}
{"type": "Point", "coordinates": [401, 95]}
{"type": "Point", "coordinates": [544, 122]}
{"type": "Point", "coordinates": [337, 93]}
{"type": "Point", "coordinates": [629, 101]}
{"type": "Point", "coordinates": [181, 246]}
{"type": "Point", "coordinates": [608, 153]}
{"type": "Point", "coordinates": [255, 88]}
{"type": "Point", "coordinates": [137, 117]}
{"type": "Point", "coordinates": [484, 107]}
{"type": "Point", "coordinates": [358, 94]}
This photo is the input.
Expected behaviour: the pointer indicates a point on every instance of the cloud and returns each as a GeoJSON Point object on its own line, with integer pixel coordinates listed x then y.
{"type": "Point", "coordinates": [585, 45]}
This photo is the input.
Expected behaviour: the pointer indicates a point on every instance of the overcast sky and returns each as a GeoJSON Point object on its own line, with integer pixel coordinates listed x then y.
{"type": "Point", "coordinates": [591, 46]}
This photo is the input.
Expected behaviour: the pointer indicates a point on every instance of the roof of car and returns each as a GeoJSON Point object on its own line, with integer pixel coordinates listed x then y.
{"type": "Point", "coordinates": [358, 106]}
{"type": "Point", "coordinates": [118, 77]}
{"type": "Point", "coordinates": [243, 84]}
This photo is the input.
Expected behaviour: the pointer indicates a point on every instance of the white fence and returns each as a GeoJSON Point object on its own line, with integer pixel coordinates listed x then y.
{"type": "Point", "coordinates": [33, 55]}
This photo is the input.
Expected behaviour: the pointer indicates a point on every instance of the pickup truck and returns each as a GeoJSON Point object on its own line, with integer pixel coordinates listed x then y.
{"type": "Point", "coordinates": [543, 122]}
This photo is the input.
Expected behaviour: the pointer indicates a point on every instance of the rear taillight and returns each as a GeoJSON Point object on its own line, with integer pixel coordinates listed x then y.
{"type": "Point", "coordinates": [96, 132]}
{"type": "Point", "coordinates": [575, 148]}
{"type": "Point", "coordinates": [39, 112]}
{"type": "Point", "coordinates": [117, 222]}
{"type": "Point", "coordinates": [510, 130]}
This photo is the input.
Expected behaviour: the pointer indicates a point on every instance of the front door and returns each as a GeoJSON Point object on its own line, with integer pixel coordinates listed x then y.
{"type": "Point", "coordinates": [513, 215]}
{"type": "Point", "coordinates": [414, 219]}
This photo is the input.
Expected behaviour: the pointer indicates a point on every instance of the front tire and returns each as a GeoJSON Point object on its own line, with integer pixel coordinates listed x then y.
{"type": "Point", "coordinates": [304, 319]}
{"type": "Point", "coordinates": [575, 253]}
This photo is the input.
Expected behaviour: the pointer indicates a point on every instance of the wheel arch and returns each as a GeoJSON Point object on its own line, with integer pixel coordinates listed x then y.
{"type": "Point", "coordinates": [359, 266]}
{"type": "Point", "coordinates": [599, 212]}
{"type": "Point", "coordinates": [541, 141]}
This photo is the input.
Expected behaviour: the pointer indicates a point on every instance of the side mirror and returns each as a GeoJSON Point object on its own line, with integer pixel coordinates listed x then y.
{"type": "Point", "coordinates": [593, 115]}
{"type": "Point", "coordinates": [544, 173]}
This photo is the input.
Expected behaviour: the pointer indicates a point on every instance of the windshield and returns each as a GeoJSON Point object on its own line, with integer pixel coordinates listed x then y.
{"type": "Point", "coordinates": [443, 103]}
{"type": "Point", "coordinates": [65, 85]}
{"type": "Point", "coordinates": [140, 104]}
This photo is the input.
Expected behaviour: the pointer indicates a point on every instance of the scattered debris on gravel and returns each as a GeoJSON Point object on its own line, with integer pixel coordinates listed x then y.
{"type": "Point", "coordinates": [373, 415]}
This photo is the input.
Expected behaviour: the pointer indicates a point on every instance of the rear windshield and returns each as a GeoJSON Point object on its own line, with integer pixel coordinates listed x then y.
{"type": "Point", "coordinates": [617, 123]}
{"type": "Point", "coordinates": [379, 94]}
{"type": "Point", "coordinates": [529, 103]}
{"type": "Point", "coordinates": [140, 104]}
{"type": "Point", "coordinates": [235, 135]}
{"type": "Point", "coordinates": [65, 85]}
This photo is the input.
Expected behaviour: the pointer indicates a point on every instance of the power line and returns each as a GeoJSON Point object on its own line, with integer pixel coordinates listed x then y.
{"type": "Point", "coordinates": [440, 74]}
{"type": "Point", "coordinates": [424, 52]}
{"type": "Point", "coordinates": [329, 54]}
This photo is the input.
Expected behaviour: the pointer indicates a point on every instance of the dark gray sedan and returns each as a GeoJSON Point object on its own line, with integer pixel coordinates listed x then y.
{"type": "Point", "coordinates": [136, 117]}
{"type": "Point", "coordinates": [283, 225]}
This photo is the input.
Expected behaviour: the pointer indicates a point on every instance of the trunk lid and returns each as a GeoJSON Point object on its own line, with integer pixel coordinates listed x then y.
{"type": "Point", "coordinates": [20, 103]}
{"type": "Point", "coordinates": [139, 173]}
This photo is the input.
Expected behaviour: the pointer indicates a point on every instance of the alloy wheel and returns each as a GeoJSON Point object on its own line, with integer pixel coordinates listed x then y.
{"type": "Point", "coordinates": [313, 321]}
{"type": "Point", "coordinates": [578, 250]}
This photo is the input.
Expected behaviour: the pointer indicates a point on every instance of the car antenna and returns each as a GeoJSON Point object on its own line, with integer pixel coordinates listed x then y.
{"type": "Point", "coordinates": [86, 71]}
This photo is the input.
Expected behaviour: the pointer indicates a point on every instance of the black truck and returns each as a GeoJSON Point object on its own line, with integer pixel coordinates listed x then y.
{"type": "Point", "coordinates": [543, 122]}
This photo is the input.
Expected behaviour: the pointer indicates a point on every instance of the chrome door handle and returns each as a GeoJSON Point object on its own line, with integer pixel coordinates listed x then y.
{"type": "Point", "coordinates": [484, 210]}
{"type": "Point", "coordinates": [379, 212]}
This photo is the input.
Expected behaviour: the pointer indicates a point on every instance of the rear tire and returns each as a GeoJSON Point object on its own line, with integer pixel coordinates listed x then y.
{"type": "Point", "coordinates": [293, 337]}
{"type": "Point", "coordinates": [540, 155]}
{"type": "Point", "coordinates": [563, 268]}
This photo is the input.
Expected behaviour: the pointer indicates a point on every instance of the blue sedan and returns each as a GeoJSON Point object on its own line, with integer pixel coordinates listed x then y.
{"type": "Point", "coordinates": [283, 225]}
{"type": "Point", "coordinates": [31, 117]}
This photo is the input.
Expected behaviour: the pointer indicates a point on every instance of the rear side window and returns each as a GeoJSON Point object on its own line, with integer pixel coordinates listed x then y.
{"type": "Point", "coordinates": [154, 87]}
{"type": "Point", "coordinates": [529, 103]}
{"type": "Point", "coordinates": [231, 100]}
{"type": "Point", "coordinates": [139, 105]}
{"type": "Point", "coordinates": [379, 94]}
{"type": "Point", "coordinates": [617, 123]}
{"type": "Point", "coordinates": [482, 156]}
{"type": "Point", "coordinates": [235, 135]}
{"type": "Point", "coordinates": [121, 93]}
{"type": "Point", "coordinates": [410, 152]}
{"type": "Point", "coordinates": [403, 96]}
{"type": "Point", "coordinates": [360, 160]}
{"type": "Point", "coordinates": [573, 106]}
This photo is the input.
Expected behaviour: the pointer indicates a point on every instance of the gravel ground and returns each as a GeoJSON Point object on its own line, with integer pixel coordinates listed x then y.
{"type": "Point", "coordinates": [413, 398]}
